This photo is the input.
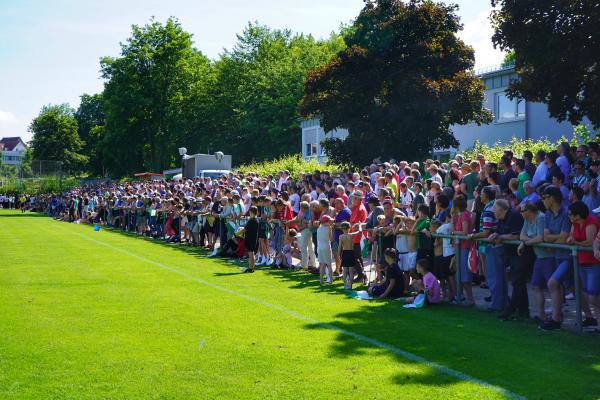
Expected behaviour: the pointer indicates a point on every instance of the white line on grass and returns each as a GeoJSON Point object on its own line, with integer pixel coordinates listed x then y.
{"type": "Point", "coordinates": [405, 354]}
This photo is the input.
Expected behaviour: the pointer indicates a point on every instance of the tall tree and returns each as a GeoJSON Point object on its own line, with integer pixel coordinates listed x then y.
{"type": "Point", "coordinates": [90, 115]}
{"type": "Point", "coordinates": [145, 95]}
{"type": "Point", "coordinates": [403, 80]}
{"type": "Point", "coordinates": [55, 137]}
{"type": "Point", "coordinates": [556, 45]}
{"type": "Point", "coordinates": [258, 85]}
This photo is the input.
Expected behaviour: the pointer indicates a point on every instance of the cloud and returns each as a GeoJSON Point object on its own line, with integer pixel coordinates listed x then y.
{"type": "Point", "coordinates": [478, 33]}
{"type": "Point", "coordinates": [7, 117]}
{"type": "Point", "coordinates": [11, 125]}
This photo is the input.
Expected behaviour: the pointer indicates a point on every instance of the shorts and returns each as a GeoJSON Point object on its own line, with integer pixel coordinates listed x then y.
{"type": "Point", "coordinates": [590, 277]}
{"type": "Point", "coordinates": [441, 266]}
{"type": "Point", "coordinates": [564, 271]}
{"type": "Point", "coordinates": [542, 271]}
{"type": "Point", "coordinates": [407, 261]}
{"type": "Point", "coordinates": [348, 259]}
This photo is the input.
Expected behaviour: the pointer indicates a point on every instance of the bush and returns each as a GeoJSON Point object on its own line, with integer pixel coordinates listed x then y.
{"type": "Point", "coordinates": [34, 186]}
{"type": "Point", "coordinates": [293, 163]}
{"type": "Point", "coordinates": [494, 152]}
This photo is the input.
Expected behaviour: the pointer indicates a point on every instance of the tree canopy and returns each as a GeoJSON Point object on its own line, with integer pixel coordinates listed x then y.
{"type": "Point", "coordinates": [90, 119]}
{"type": "Point", "coordinates": [403, 79]}
{"type": "Point", "coordinates": [556, 46]}
{"type": "Point", "coordinates": [146, 92]}
{"type": "Point", "coordinates": [55, 137]}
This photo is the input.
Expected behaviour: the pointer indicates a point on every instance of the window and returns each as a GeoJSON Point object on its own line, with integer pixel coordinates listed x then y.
{"type": "Point", "coordinates": [308, 149]}
{"type": "Point", "coordinates": [507, 109]}
{"type": "Point", "coordinates": [313, 148]}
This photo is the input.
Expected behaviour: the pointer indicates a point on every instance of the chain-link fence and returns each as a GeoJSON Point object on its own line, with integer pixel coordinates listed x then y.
{"type": "Point", "coordinates": [33, 177]}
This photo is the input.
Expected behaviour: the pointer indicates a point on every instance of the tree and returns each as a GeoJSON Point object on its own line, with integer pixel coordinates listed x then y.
{"type": "Point", "coordinates": [257, 87]}
{"type": "Point", "coordinates": [403, 79]}
{"type": "Point", "coordinates": [509, 59]}
{"type": "Point", "coordinates": [89, 116]}
{"type": "Point", "coordinates": [556, 46]}
{"type": "Point", "coordinates": [55, 137]}
{"type": "Point", "coordinates": [146, 93]}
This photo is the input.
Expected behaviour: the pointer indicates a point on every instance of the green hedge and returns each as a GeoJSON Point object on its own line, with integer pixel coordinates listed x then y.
{"type": "Point", "coordinates": [494, 152]}
{"type": "Point", "coordinates": [293, 163]}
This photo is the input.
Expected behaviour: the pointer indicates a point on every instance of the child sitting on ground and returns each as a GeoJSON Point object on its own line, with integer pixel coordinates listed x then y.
{"type": "Point", "coordinates": [429, 285]}
{"type": "Point", "coordinates": [284, 259]}
{"type": "Point", "coordinates": [392, 286]}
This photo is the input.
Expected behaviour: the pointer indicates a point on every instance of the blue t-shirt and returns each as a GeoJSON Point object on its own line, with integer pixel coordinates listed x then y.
{"type": "Point", "coordinates": [557, 224]}
{"type": "Point", "coordinates": [343, 215]}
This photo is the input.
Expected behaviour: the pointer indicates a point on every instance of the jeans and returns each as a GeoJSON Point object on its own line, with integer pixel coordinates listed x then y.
{"type": "Point", "coordinates": [496, 277]}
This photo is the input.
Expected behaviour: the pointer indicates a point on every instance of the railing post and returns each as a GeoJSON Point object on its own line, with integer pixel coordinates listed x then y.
{"type": "Point", "coordinates": [578, 319]}
{"type": "Point", "coordinates": [458, 293]}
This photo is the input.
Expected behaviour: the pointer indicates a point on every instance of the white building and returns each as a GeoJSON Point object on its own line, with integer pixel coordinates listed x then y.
{"type": "Point", "coordinates": [12, 150]}
{"type": "Point", "coordinates": [312, 136]}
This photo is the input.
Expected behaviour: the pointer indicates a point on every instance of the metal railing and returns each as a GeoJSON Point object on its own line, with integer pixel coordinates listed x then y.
{"type": "Point", "coordinates": [574, 249]}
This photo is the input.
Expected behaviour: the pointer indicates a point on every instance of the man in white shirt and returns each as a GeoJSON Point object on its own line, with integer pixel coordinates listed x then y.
{"type": "Point", "coordinates": [435, 177]}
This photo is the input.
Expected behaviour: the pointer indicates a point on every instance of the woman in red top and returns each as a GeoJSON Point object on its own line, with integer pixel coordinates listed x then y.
{"type": "Point", "coordinates": [462, 224]}
{"type": "Point", "coordinates": [584, 229]}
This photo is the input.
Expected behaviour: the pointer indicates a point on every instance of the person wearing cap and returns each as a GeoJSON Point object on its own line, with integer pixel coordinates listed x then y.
{"type": "Point", "coordinates": [358, 216]}
{"type": "Point", "coordinates": [324, 250]}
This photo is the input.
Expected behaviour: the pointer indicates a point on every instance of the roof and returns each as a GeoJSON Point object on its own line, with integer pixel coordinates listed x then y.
{"type": "Point", "coordinates": [9, 143]}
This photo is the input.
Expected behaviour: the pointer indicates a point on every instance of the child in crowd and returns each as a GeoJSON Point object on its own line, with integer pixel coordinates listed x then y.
{"type": "Point", "coordinates": [442, 262]}
{"type": "Point", "coordinates": [429, 284]}
{"type": "Point", "coordinates": [346, 252]}
{"type": "Point", "coordinates": [251, 238]}
{"type": "Point", "coordinates": [392, 285]}
{"type": "Point", "coordinates": [284, 259]}
{"type": "Point", "coordinates": [324, 251]}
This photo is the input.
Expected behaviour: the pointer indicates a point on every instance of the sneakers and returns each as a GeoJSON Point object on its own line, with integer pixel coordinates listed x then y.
{"type": "Point", "coordinates": [569, 296]}
{"type": "Point", "coordinates": [247, 270]}
{"type": "Point", "coordinates": [550, 325]}
{"type": "Point", "coordinates": [213, 254]}
{"type": "Point", "coordinates": [269, 262]}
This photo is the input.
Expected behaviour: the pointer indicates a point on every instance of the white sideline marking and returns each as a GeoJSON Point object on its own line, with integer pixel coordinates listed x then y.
{"type": "Point", "coordinates": [409, 356]}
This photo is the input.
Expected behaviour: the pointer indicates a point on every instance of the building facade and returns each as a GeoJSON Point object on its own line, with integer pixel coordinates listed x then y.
{"type": "Point", "coordinates": [312, 136]}
{"type": "Point", "coordinates": [512, 118]}
{"type": "Point", "coordinates": [517, 117]}
{"type": "Point", "coordinates": [12, 150]}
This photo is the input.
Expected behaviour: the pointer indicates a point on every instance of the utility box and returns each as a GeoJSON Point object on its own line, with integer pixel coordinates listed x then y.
{"type": "Point", "coordinates": [194, 164]}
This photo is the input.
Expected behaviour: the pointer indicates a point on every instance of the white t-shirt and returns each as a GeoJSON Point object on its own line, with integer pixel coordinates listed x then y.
{"type": "Point", "coordinates": [295, 200]}
{"type": "Point", "coordinates": [447, 247]}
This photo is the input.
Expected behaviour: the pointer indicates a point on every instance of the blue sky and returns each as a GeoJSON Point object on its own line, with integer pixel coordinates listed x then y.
{"type": "Point", "coordinates": [50, 50]}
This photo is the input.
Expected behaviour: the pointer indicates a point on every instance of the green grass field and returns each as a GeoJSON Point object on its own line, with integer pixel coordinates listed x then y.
{"type": "Point", "coordinates": [105, 315]}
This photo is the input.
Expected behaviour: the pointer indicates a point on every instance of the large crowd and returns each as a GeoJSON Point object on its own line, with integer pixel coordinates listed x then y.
{"type": "Point", "coordinates": [384, 226]}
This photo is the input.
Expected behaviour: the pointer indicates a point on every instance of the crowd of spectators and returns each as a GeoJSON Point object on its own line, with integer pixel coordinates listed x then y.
{"type": "Point", "coordinates": [387, 216]}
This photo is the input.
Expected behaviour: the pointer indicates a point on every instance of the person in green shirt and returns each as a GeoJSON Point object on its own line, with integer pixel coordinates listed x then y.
{"type": "Point", "coordinates": [424, 243]}
{"type": "Point", "coordinates": [522, 177]}
{"type": "Point", "coordinates": [469, 182]}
